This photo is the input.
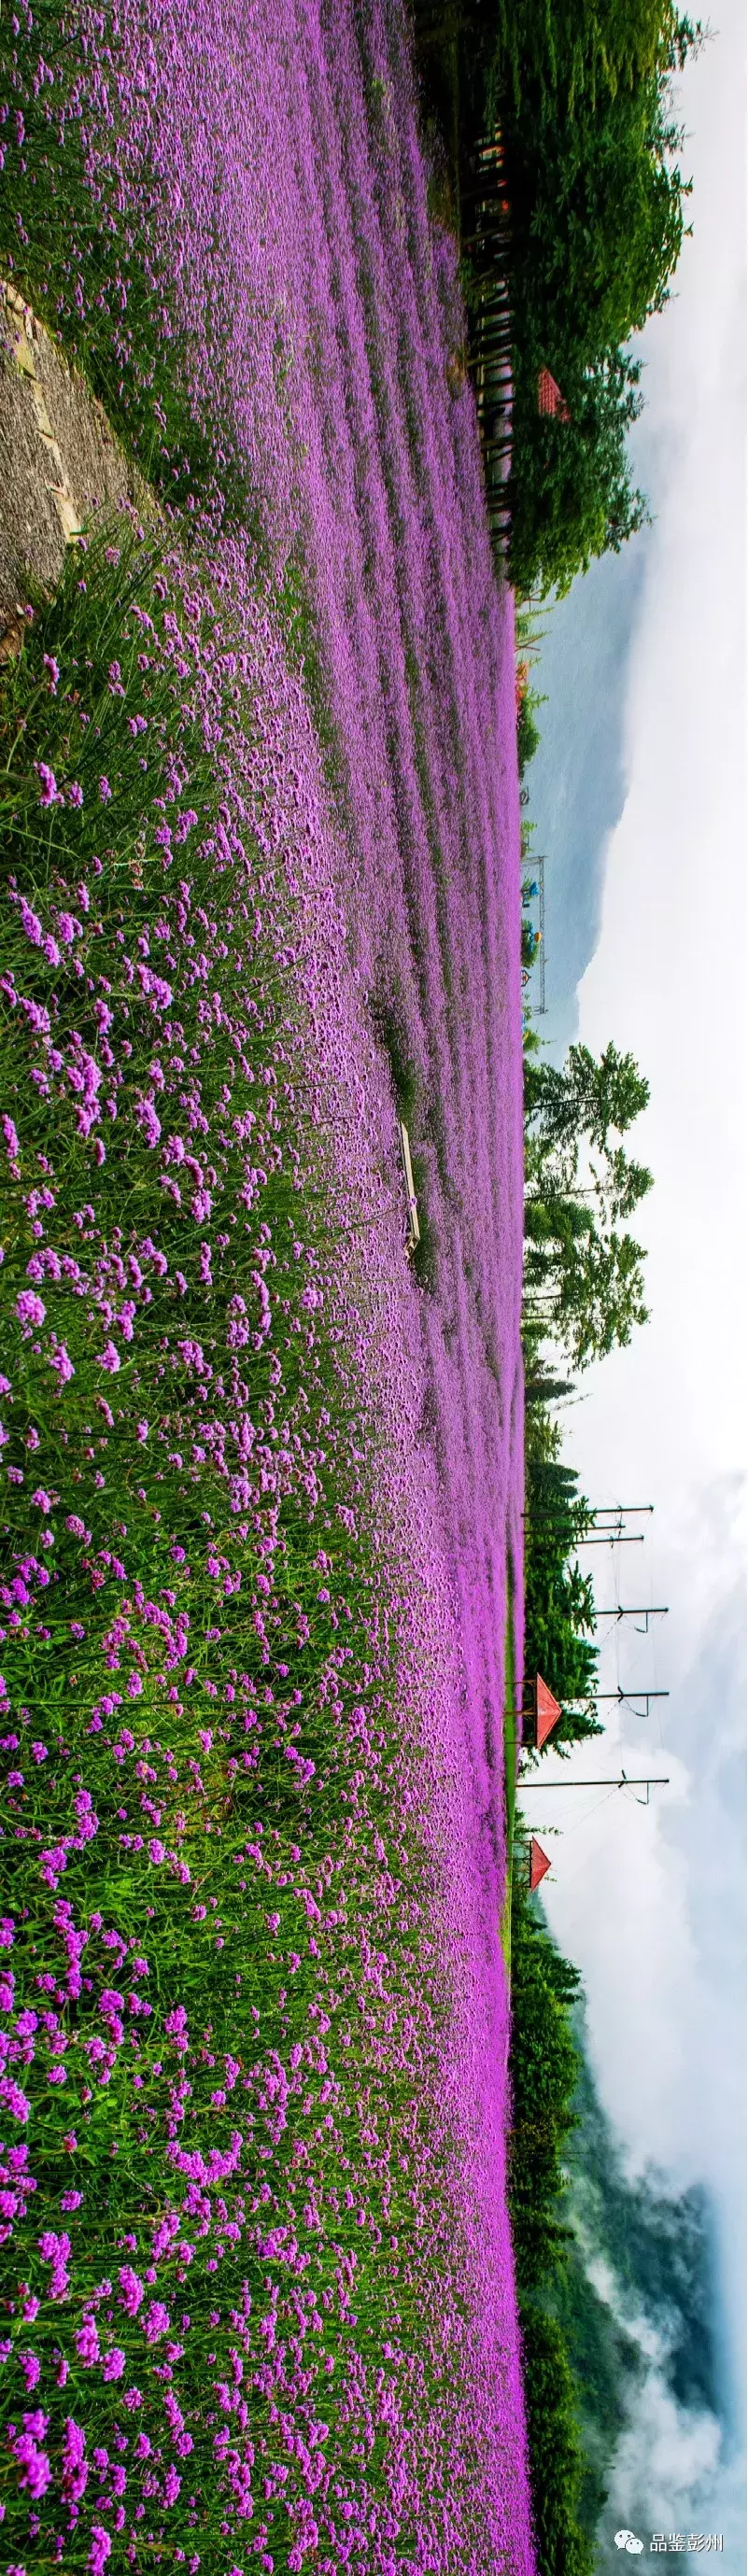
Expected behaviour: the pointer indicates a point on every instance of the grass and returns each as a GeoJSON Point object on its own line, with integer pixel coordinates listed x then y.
{"type": "Point", "coordinates": [388, 1022]}
{"type": "Point", "coordinates": [409, 1099]}
{"type": "Point", "coordinates": [425, 1256]}
{"type": "Point", "coordinates": [544, 2073]}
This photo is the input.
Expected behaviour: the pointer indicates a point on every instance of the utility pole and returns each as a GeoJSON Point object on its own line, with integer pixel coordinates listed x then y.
{"type": "Point", "coordinates": [638, 1610]}
{"type": "Point", "coordinates": [601, 1515]}
{"type": "Point", "coordinates": [648, 1780]}
{"type": "Point", "coordinates": [628, 1696]}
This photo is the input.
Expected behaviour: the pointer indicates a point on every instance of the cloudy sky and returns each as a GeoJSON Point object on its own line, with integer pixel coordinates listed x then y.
{"type": "Point", "coordinates": [638, 794]}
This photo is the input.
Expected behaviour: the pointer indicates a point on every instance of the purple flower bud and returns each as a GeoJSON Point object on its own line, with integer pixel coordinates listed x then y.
{"type": "Point", "coordinates": [30, 1309]}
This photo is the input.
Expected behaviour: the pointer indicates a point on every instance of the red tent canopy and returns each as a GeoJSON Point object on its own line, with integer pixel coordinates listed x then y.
{"type": "Point", "coordinates": [547, 1709]}
{"type": "Point", "coordinates": [539, 1863]}
{"type": "Point", "coordinates": [542, 1715]}
{"type": "Point", "coordinates": [551, 403]}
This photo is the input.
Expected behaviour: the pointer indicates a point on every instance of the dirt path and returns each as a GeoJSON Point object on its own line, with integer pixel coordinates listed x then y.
{"type": "Point", "coordinates": [59, 460]}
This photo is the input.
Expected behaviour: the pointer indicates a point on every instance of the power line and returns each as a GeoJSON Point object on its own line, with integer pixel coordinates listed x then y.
{"type": "Point", "coordinates": [612, 1538]}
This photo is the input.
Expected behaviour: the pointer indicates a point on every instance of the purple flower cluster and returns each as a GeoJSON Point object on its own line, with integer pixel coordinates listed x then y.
{"type": "Point", "coordinates": [287, 2320]}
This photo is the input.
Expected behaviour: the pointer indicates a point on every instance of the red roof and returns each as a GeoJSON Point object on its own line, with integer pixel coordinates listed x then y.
{"type": "Point", "coordinates": [550, 398]}
{"type": "Point", "coordinates": [539, 1863]}
{"type": "Point", "coordinates": [540, 1714]}
{"type": "Point", "coordinates": [547, 1712]}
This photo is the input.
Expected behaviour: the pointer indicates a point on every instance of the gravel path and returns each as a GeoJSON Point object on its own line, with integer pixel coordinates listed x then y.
{"type": "Point", "coordinates": [59, 460]}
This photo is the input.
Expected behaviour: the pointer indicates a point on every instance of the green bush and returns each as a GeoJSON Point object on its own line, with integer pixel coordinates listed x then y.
{"type": "Point", "coordinates": [528, 730]}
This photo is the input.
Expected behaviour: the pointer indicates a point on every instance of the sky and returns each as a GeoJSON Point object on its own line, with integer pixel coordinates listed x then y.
{"type": "Point", "coordinates": [638, 798]}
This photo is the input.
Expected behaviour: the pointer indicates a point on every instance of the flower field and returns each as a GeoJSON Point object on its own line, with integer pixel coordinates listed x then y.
{"type": "Point", "coordinates": [261, 1487]}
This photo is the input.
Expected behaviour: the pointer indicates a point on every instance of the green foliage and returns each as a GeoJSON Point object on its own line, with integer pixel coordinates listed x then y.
{"type": "Point", "coordinates": [582, 1288]}
{"type": "Point", "coordinates": [407, 1085]}
{"type": "Point", "coordinates": [578, 2363]}
{"type": "Point", "coordinates": [544, 2065]}
{"type": "Point", "coordinates": [594, 1282]}
{"type": "Point", "coordinates": [570, 492]}
{"type": "Point", "coordinates": [528, 730]}
{"type": "Point", "coordinates": [591, 1096]}
{"type": "Point", "coordinates": [426, 1253]}
{"type": "Point", "coordinates": [540, 1388]}
{"type": "Point", "coordinates": [543, 2068]}
{"type": "Point", "coordinates": [597, 200]}
{"type": "Point", "coordinates": [80, 728]}
{"type": "Point", "coordinates": [595, 206]}
{"type": "Point", "coordinates": [597, 215]}
{"type": "Point", "coordinates": [556, 2458]}
{"type": "Point", "coordinates": [583, 1276]}
{"type": "Point", "coordinates": [559, 1604]}
{"type": "Point", "coordinates": [578, 51]}
{"type": "Point", "coordinates": [389, 1024]}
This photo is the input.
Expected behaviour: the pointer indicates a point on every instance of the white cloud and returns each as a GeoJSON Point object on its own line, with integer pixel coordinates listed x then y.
{"type": "Point", "coordinates": [674, 2468]}
{"type": "Point", "coordinates": [669, 2460]}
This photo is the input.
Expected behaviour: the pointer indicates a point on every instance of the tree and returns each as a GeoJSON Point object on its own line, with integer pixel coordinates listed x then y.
{"type": "Point", "coordinates": [544, 2067]}
{"type": "Point", "coordinates": [601, 1294]}
{"type": "Point", "coordinates": [570, 490]}
{"type": "Point", "coordinates": [627, 1183]}
{"type": "Point", "coordinates": [559, 1600]}
{"type": "Point", "coordinates": [578, 50]}
{"type": "Point", "coordinates": [581, 1273]}
{"type": "Point", "coordinates": [592, 218]}
{"type": "Point", "coordinates": [588, 1097]}
{"type": "Point", "coordinates": [528, 729]}
{"type": "Point", "coordinates": [589, 1286]}
{"type": "Point", "coordinates": [597, 201]}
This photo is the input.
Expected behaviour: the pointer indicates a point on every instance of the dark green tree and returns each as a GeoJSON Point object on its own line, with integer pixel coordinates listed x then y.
{"type": "Point", "coordinates": [583, 1276]}
{"type": "Point", "coordinates": [588, 1287]}
{"type": "Point", "coordinates": [597, 204]}
{"type": "Point", "coordinates": [544, 2072]}
{"type": "Point", "coordinates": [570, 489]}
{"type": "Point", "coordinates": [559, 1602]}
{"type": "Point", "coordinates": [588, 1097]}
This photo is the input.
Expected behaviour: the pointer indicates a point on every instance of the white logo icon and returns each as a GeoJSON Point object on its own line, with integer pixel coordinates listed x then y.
{"type": "Point", "coordinates": [627, 2540]}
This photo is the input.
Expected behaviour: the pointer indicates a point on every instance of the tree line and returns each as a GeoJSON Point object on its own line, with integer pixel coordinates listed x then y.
{"type": "Point", "coordinates": [544, 2067]}
{"type": "Point", "coordinates": [595, 202]}
{"type": "Point", "coordinates": [583, 1278]}
{"type": "Point", "coordinates": [583, 1292]}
